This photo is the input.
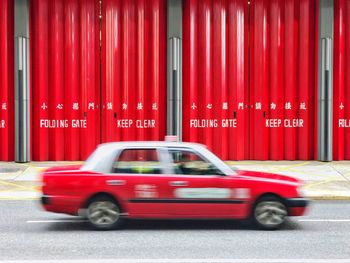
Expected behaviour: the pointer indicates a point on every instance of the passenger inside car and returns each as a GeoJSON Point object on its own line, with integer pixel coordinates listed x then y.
{"type": "Point", "coordinates": [189, 163]}
{"type": "Point", "coordinates": [137, 161]}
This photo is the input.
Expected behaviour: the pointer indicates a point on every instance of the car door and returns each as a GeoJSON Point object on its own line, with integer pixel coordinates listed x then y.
{"type": "Point", "coordinates": [197, 188]}
{"type": "Point", "coordinates": [143, 173]}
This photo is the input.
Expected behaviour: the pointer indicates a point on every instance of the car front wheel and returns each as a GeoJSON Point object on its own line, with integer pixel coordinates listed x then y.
{"type": "Point", "coordinates": [269, 213]}
{"type": "Point", "coordinates": [103, 213]}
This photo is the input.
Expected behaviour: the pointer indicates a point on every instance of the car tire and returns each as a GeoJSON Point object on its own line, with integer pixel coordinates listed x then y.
{"type": "Point", "coordinates": [269, 213]}
{"type": "Point", "coordinates": [103, 213]}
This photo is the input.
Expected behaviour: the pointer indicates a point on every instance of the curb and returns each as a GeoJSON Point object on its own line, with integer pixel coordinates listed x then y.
{"type": "Point", "coordinates": [329, 198]}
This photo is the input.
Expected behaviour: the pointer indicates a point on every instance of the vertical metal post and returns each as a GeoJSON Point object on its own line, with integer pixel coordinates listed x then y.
{"type": "Point", "coordinates": [174, 90]}
{"type": "Point", "coordinates": [22, 87]}
{"type": "Point", "coordinates": [325, 80]}
{"type": "Point", "coordinates": [325, 102]}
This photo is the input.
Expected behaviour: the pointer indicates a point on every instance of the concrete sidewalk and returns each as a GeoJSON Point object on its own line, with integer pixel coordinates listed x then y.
{"type": "Point", "coordinates": [322, 180]}
{"type": "Point", "coordinates": [22, 181]}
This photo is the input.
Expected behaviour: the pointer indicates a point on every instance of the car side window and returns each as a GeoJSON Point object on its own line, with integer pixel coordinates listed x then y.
{"type": "Point", "coordinates": [190, 163]}
{"type": "Point", "coordinates": [137, 161]}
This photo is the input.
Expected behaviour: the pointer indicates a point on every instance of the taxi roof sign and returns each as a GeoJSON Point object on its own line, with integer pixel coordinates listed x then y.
{"type": "Point", "coordinates": [171, 138]}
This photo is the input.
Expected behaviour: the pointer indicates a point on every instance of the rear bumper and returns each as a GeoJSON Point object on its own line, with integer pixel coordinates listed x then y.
{"type": "Point", "coordinates": [45, 200]}
{"type": "Point", "coordinates": [60, 204]}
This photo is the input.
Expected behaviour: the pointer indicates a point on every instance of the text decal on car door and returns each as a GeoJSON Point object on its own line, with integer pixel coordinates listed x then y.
{"type": "Point", "coordinates": [241, 193]}
{"type": "Point", "coordinates": [203, 193]}
{"type": "Point", "coordinates": [146, 191]}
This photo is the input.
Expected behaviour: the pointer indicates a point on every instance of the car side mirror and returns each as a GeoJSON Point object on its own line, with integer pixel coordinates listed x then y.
{"type": "Point", "coordinates": [215, 171]}
{"type": "Point", "coordinates": [219, 173]}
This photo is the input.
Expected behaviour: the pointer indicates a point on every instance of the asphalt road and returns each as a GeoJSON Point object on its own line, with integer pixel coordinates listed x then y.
{"type": "Point", "coordinates": [27, 232]}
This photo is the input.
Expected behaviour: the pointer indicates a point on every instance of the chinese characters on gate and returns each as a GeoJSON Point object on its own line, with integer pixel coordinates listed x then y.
{"type": "Point", "coordinates": [91, 106]}
{"type": "Point", "coordinates": [3, 108]}
{"type": "Point", "coordinates": [343, 123]}
{"type": "Point", "coordinates": [141, 123]}
{"type": "Point", "coordinates": [257, 106]}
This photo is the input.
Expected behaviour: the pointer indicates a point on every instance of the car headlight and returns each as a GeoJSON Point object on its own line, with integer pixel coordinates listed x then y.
{"type": "Point", "coordinates": [301, 191]}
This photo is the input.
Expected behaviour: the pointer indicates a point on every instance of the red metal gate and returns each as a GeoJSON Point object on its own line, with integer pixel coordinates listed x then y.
{"type": "Point", "coordinates": [65, 81]}
{"type": "Point", "coordinates": [6, 81]}
{"type": "Point", "coordinates": [283, 82]}
{"type": "Point", "coordinates": [272, 117]}
{"type": "Point", "coordinates": [65, 60]}
{"type": "Point", "coordinates": [341, 99]}
{"type": "Point", "coordinates": [133, 70]}
{"type": "Point", "coordinates": [215, 80]}
{"type": "Point", "coordinates": [266, 113]}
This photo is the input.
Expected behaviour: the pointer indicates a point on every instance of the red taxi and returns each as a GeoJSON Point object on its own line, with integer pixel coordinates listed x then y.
{"type": "Point", "coordinates": [167, 180]}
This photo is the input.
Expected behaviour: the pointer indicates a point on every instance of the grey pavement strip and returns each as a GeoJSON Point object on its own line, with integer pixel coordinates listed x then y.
{"type": "Point", "coordinates": [9, 170]}
{"type": "Point", "coordinates": [84, 220]}
{"type": "Point", "coordinates": [56, 221]}
{"type": "Point", "coordinates": [123, 260]}
{"type": "Point", "coordinates": [325, 220]}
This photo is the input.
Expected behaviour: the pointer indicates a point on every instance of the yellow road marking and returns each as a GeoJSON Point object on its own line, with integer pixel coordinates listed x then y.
{"type": "Point", "coordinates": [19, 198]}
{"type": "Point", "coordinates": [19, 191]}
{"type": "Point", "coordinates": [18, 186]}
{"type": "Point", "coordinates": [346, 174]}
{"type": "Point", "coordinates": [289, 167]}
{"type": "Point", "coordinates": [311, 185]}
{"type": "Point", "coordinates": [312, 174]}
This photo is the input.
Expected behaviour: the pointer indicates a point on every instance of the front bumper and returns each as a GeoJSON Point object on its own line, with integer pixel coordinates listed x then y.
{"type": "Point", "coordinates": [297, 202]}
{"type": "Point", "coordinates": [297, 206]}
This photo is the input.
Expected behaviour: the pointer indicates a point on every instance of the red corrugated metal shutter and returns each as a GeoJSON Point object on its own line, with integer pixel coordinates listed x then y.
{"type": "Point", "coordinates": [215, 67]}
{"type": "Point", "coordinates": [90, 76]}
{"type": "Point", "coordinates": [133, 70]}
{"type": "Point", "coordinates": [282, 79]}
{"type": "Point", "coordinates": [341, 100]}
{"type": "Point", "coordinates": [65, 79]}
{"type": "Point", "coordinates": [274, 116]}
{"type": "Point", "coordinates": [6, 81]}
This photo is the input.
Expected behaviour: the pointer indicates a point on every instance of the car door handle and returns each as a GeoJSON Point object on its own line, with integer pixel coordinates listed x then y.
{"type": "Point", "coordinates": [115, 182]}
{"type": "Point", "coordinates": [178, 183]}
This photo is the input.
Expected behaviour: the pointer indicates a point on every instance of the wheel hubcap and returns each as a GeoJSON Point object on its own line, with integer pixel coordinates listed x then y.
{"type": "Point", "coordinates": [270, 213]}
{"type": "Point", "coordinates": [103, 213]}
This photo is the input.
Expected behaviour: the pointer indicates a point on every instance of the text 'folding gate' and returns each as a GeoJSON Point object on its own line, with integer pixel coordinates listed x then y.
{"type": "Point", "coordinates": [268, 113]}
{"type": "Point", "coordinates": [215, 76]}
{"type": "Point", "coordinates": [65, 70]}
{"type": "Point", "coordinates": [6, 81]}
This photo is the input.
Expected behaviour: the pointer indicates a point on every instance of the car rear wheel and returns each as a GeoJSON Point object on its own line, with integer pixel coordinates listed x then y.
{"type": "Point", "coordinates": [103, 213]}
{"type": "Point", "coordinates": [269, 213]}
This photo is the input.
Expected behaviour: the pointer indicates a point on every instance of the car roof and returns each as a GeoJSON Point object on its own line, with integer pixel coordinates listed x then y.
{"type": "Point", "coordinates": [150, 144]}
